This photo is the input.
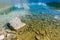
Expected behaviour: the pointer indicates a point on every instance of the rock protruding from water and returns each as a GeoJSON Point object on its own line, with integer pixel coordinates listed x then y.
{"type": "Point", "coordinates": [15, 23]}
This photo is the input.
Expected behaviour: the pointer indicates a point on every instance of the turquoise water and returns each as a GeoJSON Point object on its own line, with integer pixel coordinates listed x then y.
{"type": "Point", "coordinates": [34, 9]}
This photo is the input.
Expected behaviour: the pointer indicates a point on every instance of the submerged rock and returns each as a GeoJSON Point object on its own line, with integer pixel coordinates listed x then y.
{"type": "Point", "coordinates": [1, 37]}
{"type": "Point", "coordinates": [15, 23]}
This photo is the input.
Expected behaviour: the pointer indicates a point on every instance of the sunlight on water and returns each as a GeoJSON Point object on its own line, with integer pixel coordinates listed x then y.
{"type": "Point", "coordinates": [42, 4]}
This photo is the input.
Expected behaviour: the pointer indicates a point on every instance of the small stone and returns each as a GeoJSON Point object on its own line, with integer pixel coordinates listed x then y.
{"type": "Point", "coordinates": [11, 36]}
{"type": "Point", "coordinates": [37, 37]}
{"type": "Point", "coordinates": [1, 37]}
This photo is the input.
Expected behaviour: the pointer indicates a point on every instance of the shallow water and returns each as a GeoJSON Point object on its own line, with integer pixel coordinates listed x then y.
{"type": "Point", "coordinates": [36, 9]}
{"type": "Point", "coordinates": [40, 19]}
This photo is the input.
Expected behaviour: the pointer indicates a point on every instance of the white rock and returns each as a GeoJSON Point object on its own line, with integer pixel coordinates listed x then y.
{"type": "Point", "coordinates": [1, 37]}
{"type": "Point", "coordinates": [16, 23]}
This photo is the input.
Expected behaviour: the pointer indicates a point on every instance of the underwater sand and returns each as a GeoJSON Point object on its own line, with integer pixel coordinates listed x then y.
{"type": "Point", "coordinates": [38, 26]}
